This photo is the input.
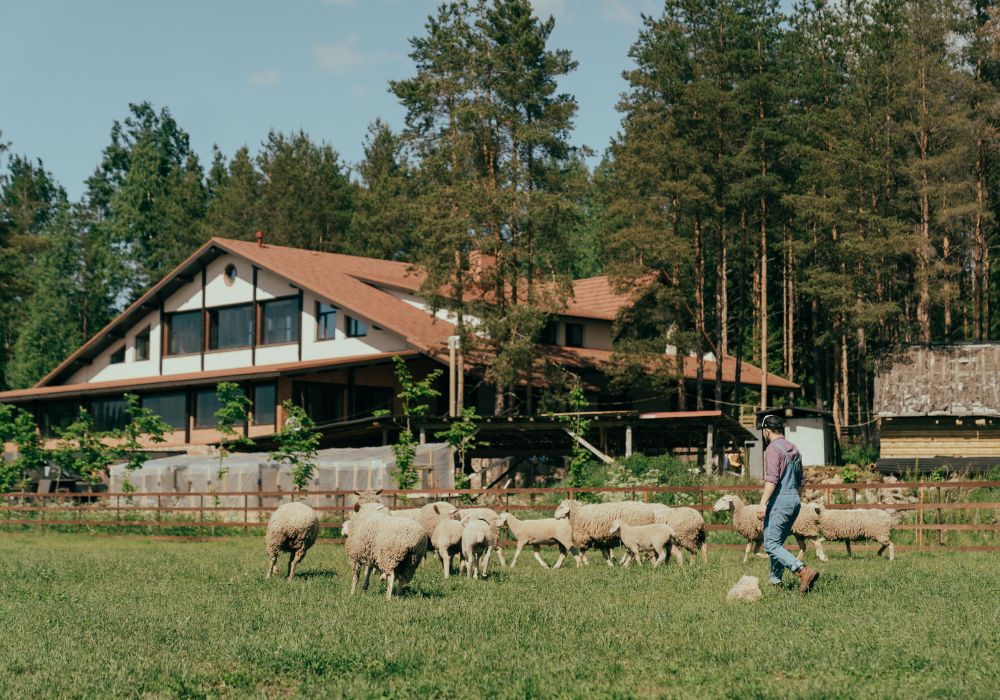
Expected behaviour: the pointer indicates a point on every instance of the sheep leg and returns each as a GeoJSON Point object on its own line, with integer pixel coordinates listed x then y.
{"type": "Point", "coordinates": [746, 552]}
{"type": "Point", "coordinates": [704, 552]}
{"type": "Point", "coordinates": [500, 556]}
{"type": "Point", "coordinates": [486, 559]}
{"type": "Point", "coordinates": [272, 566]}
{"type": "Point", "coordinates": [818, 544]}
{"type": "Point", "coordinates": [756, 548]}
{"type": "Point", "coordinates": [294, 560]}
{"type": "Point", "coordinates": [390, 581]}
{"type": "Point", "coordinates": [520, 546]}
{"type": "Point", "coordinates": [445, 559]}
{"type": "Point", "coordinates": [849, 555]}
{"type": "Point", "coordinates": [625, 557]}
{"type": "Point", "coordinates": [661, 555]}
{"type": "Point", "coordinates": [368, 575]}
{"type": "Point", "coordinates": [355, 574]}
{"type": "Point", "coordinates": [802, 547]}
{"type": "Point", "coordinates": [677, 554]}
{"type": "Point", "coordinates": [562, 556]}
{"type": "Point", "coordinates": [539, 556]}
{"type": "Point", "coordinates": [609, 556]}
{"type": "Point", "coordinates": [892, 550]}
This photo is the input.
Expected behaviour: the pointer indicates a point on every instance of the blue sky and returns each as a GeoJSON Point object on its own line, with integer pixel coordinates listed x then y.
{"type": "Point", "coordinates": [230, 71]}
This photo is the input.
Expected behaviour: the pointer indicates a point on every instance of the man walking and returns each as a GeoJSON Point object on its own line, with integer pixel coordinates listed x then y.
{"type": "Point", "coordinates": [779, 504]}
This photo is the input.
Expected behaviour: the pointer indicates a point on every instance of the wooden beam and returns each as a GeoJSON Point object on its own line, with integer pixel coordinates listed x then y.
{"type": "Point", "coordinates": [600, 455]}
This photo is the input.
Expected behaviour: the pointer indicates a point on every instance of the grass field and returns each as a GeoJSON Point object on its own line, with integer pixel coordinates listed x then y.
{"type": "Point", "coordinates": [88, 616]}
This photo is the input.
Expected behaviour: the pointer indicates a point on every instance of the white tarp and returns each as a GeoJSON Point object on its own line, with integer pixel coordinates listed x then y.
{"type": "Point", "coordinates": [337, 469]}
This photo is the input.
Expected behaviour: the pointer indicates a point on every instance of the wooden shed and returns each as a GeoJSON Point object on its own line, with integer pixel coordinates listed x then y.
{"type": "Point", "coordinates": [939, 407]}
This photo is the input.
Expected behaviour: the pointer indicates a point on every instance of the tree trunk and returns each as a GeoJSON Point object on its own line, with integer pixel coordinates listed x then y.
{"type": "Point", "coordinates": [699, 321]}
{"type": "Point", "coordinates": [924, 247]}
{"type": "Point", "coordinates": [763, 298]}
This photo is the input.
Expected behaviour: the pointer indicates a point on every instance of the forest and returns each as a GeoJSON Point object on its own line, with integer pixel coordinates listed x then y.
{"type": "Point", "coordinates": [806, 191]}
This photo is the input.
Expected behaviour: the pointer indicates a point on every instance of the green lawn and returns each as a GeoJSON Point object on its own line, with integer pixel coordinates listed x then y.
{"type": "Point", "coordinates": [89, 616]}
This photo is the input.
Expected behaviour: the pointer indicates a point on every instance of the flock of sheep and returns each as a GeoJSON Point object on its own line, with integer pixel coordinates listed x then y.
{"type": "Point", "coordinates": [395, 542]}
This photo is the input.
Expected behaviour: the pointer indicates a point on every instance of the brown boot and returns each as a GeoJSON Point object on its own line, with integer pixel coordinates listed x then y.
{"type": "Point", "coordinates": [807, 578]}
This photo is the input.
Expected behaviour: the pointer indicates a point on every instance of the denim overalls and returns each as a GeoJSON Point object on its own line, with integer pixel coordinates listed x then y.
{"type": "Point", "coordinates": [780, 516]}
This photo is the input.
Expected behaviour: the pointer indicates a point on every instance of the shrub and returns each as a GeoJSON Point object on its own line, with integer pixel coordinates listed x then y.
{"type": "Point", "coordinates": [859, 454]}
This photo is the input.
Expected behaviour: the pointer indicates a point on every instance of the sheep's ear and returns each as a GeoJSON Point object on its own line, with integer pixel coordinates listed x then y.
{"type": "Point", "coordinates": [436, 509]}
{"type": "Point", "coordinates": [356, 493]}
{"type": "Point", "coordinates": [379, 491]}
{"type": "Point", "coordinates": [357, 507]}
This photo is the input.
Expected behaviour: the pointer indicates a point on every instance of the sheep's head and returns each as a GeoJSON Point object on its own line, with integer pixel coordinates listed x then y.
{"type": "Point", "coordinates": [368, 508]}
{"type": "Point", "coordinates": [723, 504]}
{"type": "Point", "coordinates": [502, 520]}
{"type": "Point", "coordinates": [564, 509]}
{"type": "Point", "coordinates": [345, 529]}
{"type": "Point", "coordinates": [368, 496]}
{"type": "Point", "coordinates": [616, 527]}
{"type": "Point", "coordinates": [444, 509]}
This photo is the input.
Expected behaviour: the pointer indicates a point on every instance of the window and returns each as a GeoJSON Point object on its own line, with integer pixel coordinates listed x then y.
{"type": "Point", "coordinates": [370, 398]}
{"type": "Point", "coordinates": [118, 356]}
{"type": "Point", "coordinates": [230, 327]}
{"type": "Point", "coordinates": [230, 275]}
{"type": "Point", "coordinates": [170, 406]}
{"type": "Point", "coordinates": [550, 333]}
{"type": "Point", "coordinates": [56, 415]}
{"type": "Point", "coordinates": [206, 403]}
{"type": "Point", "coordinates": [142, 345]}
{"type": "Point", "coordinates": [185, 333]}
{"type": "Point", "coordinates": [265, 401]}
{"type": "Point", "coordinates": [109, 414]}
{"type": "Point", "coordinates": [280, 321]}
{"type": "Point", "coordinates": [574, 335]}
{"type": "Point", "coordinates": [323, 403]}
{"type": "Point", "coordinates": [355, 328]}
{"type": "Point", "coordinates": [326, 321]}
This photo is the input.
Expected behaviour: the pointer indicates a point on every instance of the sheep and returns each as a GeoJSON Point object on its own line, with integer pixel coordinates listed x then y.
{"type": "Point", "coordinates": [427, 516]}
{"type": "Point", "coordinates": [855, 525]}
{"type": "Point", "coordinates": [368, 496]}
{"type": "Point", "coordinates": [688, 525]}
{"type": "Point", "coordinates": [447, 541]}
{"type": "Point", "coordinates": [539, 532]}
{"type": "Point", "coordinates": [747, 523]}
{"type": "Point", "coordinates": [657, 537]}
{"type": "Point", "coordinates": [492, 516]}
{"type": "Point", "coordinates": [292, 528]}
{"type": "Point", "coordinates": [477, 543]}
{"type": "Point", "coordinates": [591, 523]}
{"type": "Point", "coordinates": [395, 545]}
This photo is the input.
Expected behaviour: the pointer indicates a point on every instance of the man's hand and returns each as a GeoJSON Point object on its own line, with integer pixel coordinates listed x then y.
{"type": "Point", "coordinates": [761, 512]}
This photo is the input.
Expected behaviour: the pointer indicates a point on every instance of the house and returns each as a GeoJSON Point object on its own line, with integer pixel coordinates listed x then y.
{"type": "Point", "coordinates": [810, 429]}
{"type": "Point", "coordinates": [321, 329]}
{"type": "Point", "coordinates": [939, 407]}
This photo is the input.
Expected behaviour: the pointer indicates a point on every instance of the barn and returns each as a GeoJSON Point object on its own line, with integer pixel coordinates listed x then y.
{"type": "Point", "coordinates": [939, 407]}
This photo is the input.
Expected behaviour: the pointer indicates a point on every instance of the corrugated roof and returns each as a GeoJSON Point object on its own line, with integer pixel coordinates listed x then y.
{"type": "Point", "coordinates": [195, 378]}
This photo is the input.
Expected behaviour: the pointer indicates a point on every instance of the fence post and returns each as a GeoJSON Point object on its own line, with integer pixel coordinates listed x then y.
{"type": "Point", "coordinates": [246, 512]}
{"type": "Point", "coordinates": [920, 529]}
{"type": "Point", "coordinates": [159, 513]}
{"type": "Point", "coordinates": [940, 532]}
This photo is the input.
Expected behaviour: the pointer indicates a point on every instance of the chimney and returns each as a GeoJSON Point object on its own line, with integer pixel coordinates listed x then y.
{"type": "Point", "coordinates": [260, 239]}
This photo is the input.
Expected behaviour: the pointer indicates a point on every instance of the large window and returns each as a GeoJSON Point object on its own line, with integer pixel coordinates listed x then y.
{"type": "Point", "coordinates": [185, 333]}
{"type": "Point", "coordinates": [280, 321]}
{"type": "Point", "coordinates": [355, 328]}
{"type": "Point", "coordinates": [170, 406]}
{"type": "Point", "coordinates": [368, 399]}
{"type": "Point", "coordinates": [550, 333]}
{"type": "Point", "coordinates": [324, 403]}
{"type": "Point", "coordinates": [326, 321]}
{"type": "Point", "coordinates": [265, 402]}
{"type": "Point", "coordinates": [206, 403]}
{"type": "Point", "coordinates": [230, 327]}
{"type": "Point", "coordinates": [142, 345]}
{"type": "Point", "coordinates": [574, 335]}
{"type": "Point", "coordinates": [109, 414]}
{"type": "Point", "coordinates": [56, 415]}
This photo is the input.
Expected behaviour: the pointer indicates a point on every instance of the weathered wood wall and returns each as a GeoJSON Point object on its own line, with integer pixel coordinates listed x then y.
{"type": "Point", "coordinates": [956, 380]}
{"type": "Point", "coordinates": [939, 437]}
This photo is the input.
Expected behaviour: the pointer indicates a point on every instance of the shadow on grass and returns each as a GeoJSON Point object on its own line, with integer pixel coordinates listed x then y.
{"type": "Point", "coordinates": [317, 574]}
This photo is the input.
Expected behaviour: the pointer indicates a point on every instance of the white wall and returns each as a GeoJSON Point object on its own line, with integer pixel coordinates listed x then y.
{"type": "Point", "coordinates": [809, 436]}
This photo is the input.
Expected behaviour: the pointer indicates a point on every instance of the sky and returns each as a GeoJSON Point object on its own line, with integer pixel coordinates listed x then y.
{"type": "Point", "coordinates": [231, 71]}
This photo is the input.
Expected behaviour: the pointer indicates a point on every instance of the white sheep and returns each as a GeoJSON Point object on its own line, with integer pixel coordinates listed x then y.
{"type": "Point", "coordinates": [689, 528]}
{"type": "Point", "coordinates": [427, 516]}
{"type": "Point", "coordinates": [292, 528]}
{"type": "Point", "coordinates": [539, 532]}
{"type": "Point", "coordinates": [591, 522]}
{"type": "Point", "coordinates": [477, 544]}
{"type": "Point", "coordinates": [492, 516]}
{"type": "Point", "coordinates": [855, 525]}
{"type": "Point", "coordinates": [447, 541]}
{"type": "Point", "coordinates": [637, 539]}
{"type": "Point", "coordinates": [395, 545]}
{"type": "Point", "coordinates": [746, 522]}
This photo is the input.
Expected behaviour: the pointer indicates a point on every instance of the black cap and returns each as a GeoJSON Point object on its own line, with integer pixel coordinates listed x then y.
{"type": "Point", "coordinates": [773, 422]}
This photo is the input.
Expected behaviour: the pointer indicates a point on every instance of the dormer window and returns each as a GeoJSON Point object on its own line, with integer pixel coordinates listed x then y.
{"type": "Point", "coordinates": [574, 335]}
{"type": "Point", "coordinates": [355, 328]}
{"type": "Point", "coordinates": [229, 276]}
{"type": "Point", "coordinates": [118, 356]}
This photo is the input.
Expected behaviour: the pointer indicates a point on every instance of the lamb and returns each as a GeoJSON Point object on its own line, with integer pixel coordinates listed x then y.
{"type": "Point", "coordinates": [292, 528]}
{"type": "Point", "coordinates": [395, 545]}
{"type": "Point", "coordinates": [428, 516]}
{"type": "Point", "coordinates": [477, 543]}
{"type": "Point", "coordinates": [747, 523]}
{"type": "Point", "coordinates": [447, 541]}
{"type": "Point", "coordinates": [855, 525]}
{"type": "Point", "coordinates": [636, 539]}
{"type": "Point", "coordinates": [689, 529]}
{"type": "Point", "coordinates": [492, 516]}
{"type": "Point", "coordinates": [539, 532]}
{"type": "Point", "coordinates": [591, 523]}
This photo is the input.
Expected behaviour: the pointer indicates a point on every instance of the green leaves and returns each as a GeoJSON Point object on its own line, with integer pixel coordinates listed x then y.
{"type": "Point", "coordinates": [297, 443]}
{"type": "Point", "coordinates": [414, 399]}
{"type": "Point", "coordinates": [232, 413]}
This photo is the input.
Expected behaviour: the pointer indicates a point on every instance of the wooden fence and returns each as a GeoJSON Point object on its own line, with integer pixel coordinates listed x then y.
{"type": "Point", "coordinates": [208, 513]}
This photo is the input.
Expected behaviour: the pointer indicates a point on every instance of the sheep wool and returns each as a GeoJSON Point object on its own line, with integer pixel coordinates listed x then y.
{"type": "Point", "coordinates": [491, 516]}
{"type": "Point", "coordinates": [539, 532]}
{"type": "Point", "coordinates": [292, 528]}
{"type": "Point", "coordinates": [637, 539]}
{"type": "Point", "coordinates": [477, 543]}
{"type": "Point", "coordinates": [447, 542]}
{"type": "Point", "coordinates": [746, 522]}
{"type": "Point", "coordinates": [427, 516]}
{"type": "Point", "coordinates": [395, 545]}
{"type": "Point", "coordinates": [855, 525]}
{"type": "Point", "coordinates": [591, 522]}
{"type": "Point", "coordinates": [688, 525]}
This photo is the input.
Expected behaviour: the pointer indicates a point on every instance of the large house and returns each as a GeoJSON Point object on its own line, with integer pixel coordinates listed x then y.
{"type": "Point", "coordinates": [321, 329]}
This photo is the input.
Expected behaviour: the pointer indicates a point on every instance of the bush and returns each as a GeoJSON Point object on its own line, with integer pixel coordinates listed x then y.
{"type": "Point", "coordinates": [861, 455]}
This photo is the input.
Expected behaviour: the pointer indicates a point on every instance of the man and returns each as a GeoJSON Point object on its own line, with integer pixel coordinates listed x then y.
{"type": "Point", "coordinates": [779, 504]}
